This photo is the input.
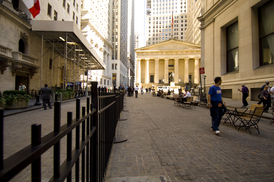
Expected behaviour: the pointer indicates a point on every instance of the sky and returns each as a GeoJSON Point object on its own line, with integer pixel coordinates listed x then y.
{"type": "Point", "coordinates": [140, 21]}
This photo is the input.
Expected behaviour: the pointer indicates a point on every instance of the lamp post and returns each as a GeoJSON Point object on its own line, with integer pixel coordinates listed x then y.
{"type": "Point", "coordinates": [204, 85]}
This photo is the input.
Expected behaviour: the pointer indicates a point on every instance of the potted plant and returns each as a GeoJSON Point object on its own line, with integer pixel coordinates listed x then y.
{"type": "Point", "coordinates": [15, 99]}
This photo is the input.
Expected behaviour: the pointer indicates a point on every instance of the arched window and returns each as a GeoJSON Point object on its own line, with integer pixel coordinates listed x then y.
{"type": "Point", "coordinates": [21, 46]}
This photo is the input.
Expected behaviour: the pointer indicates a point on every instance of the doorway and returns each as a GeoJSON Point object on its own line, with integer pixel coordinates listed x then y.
{"type": "Point", "coordinates": [21, 79]}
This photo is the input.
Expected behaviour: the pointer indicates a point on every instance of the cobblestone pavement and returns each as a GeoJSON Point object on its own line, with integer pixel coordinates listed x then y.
{"type": "Point", "coordinates": [172, 144]}
{"type": "Point", "coordinates": [17, 135]}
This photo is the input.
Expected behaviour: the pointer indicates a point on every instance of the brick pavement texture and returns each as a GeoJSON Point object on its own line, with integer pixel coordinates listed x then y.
{"type": "Point", "coordinates": [17, 135]}
{"type": "Point", "coordinates": [172, 144]}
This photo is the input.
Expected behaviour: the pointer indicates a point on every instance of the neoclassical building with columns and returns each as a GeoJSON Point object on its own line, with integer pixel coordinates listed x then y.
{"type": "Point", "coordinates": [169, 61]}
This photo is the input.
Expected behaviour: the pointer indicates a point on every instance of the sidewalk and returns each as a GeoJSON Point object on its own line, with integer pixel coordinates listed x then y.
{"type": "Point", "coordinates": [32, 107]}
{"type": "Point", "coordinates": [171, 144]}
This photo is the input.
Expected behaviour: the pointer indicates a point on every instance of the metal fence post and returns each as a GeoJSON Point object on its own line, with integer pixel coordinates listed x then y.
{"type": "Point", "coordinates": [1, 139]}
{"type": "Point", "coordinates": [35, 141]}
{"type": "Point", "coordinates": [56, 148]}
{"type": "Point", "coordinates": [95, 141]}
{"type": "Point", "coordinates": [69, 143]}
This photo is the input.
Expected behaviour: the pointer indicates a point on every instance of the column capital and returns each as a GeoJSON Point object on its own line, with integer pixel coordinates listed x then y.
{"type": "Point", "coordinates": [186, 59]}
{"type": "Point", "coordinates": [147, 59]}
{"type": "Point", "coordinates": [197, 58]}
{"type": "Point", "coordinates": [139, 59]}
{"type": "Point", "coordinates": [156, 59]}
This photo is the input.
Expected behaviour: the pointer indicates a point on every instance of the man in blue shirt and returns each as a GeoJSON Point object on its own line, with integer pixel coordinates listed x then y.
{"type": "Point", "coordinates": [215, 103]}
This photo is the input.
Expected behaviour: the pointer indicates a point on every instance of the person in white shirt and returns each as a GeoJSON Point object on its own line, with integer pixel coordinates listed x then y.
{"type": "Point", "coordinates": [136, 91]}
{"type": "Point", "coordinates": [187, 94]}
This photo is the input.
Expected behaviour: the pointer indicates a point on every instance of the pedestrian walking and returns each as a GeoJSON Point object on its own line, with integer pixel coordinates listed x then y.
{"type": "Point", "coordinates": [136, 91]}
{"type": "Point", "coordinates": [260, 95]}
{"type": "Point", "coordinates": [46, 92]}
{"type": "Point", "coordinates": [216, 104]}
{"type": "Point", "coordinates": [272, 97]}
{"type": "Point", "coordinates": [266, 98]}
{"type": "Point", "coordinates": [245, 93]}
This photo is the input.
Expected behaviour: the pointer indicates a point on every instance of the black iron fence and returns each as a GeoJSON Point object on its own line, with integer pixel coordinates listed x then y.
{"type": "Point", "coordinates": [96, 125]}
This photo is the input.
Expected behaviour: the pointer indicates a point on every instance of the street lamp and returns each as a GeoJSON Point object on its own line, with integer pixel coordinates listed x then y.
{"type": "Point", "coordinates": [204, 85]}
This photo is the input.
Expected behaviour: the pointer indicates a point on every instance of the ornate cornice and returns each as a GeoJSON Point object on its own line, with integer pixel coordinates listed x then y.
{"type": "Point", "coordinates": [13, 16]}
{"type": "Point", "coordinates": [214, 11]}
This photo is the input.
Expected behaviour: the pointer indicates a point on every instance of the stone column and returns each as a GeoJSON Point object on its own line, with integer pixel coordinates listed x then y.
{"type": "Point", "coordinates": [139, 71]}
{"type": "Point", "coordinates": [196, 71]}
{"type": "Point", "coordinates": [156, 76]}
{"type": "Point", "coordinates": [176, 70]}
{"type": "Point", "coordinates": [186, 70]}
{"type": "Point", "coordinates": [166, 71]}
{"type": "Point", "coordinates": [147, 71]}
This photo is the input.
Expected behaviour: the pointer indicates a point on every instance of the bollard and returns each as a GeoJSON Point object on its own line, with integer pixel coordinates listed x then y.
{"type": "Point", "coordinates": [56, 96]}
{"type": "Point", "coordinates": [37, 100]}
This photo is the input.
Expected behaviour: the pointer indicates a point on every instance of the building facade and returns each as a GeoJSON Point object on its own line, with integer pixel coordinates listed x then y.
{"type": "Point", "coordinates": [193, 32]}
{"type": "Point", "coordinates": [237, 44]}
{"type": "Point", "coordinates": [119, 62]}
{"type": "Point", "coordinates": [166, 19]}
{"type": "Point", "coordinates": [97, 28]}
{"type": "Point", "coordinates": [48, 49]}
{"type": "Point", "coordinates": [169, 61]}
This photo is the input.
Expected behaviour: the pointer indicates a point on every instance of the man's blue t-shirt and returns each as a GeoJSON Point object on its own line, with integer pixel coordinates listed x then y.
{"type": "Point", "coordinates": [216, 93]}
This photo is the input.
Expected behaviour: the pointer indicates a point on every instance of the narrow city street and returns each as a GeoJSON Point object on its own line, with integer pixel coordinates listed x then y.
{"type": "Point", "coordinates": [164, 143]}
{"type": "Point", "coordinates": [169, 143]}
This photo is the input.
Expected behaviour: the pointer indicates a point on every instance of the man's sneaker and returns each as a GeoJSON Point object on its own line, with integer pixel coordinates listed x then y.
{"type": "Point", "coordinates": [217, 132]}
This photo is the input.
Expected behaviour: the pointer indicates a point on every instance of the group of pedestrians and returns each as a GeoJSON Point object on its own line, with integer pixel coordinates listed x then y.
{"type": "Point", "coordinates": [218, 108]}
{"type": "Point", "coordinates": [266, 96]}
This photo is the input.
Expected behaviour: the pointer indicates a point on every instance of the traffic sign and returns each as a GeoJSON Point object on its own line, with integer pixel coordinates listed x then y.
{"type": "Point", "coordinates": [202, 70]}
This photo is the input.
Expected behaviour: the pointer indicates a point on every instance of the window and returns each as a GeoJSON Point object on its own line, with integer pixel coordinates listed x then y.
{"type": "Point", "coordinates": [68, 8]}
{"type": "Point", "coordinates": [64, 4]}
{"type": "Point", "coordinates": [266, 33]}
{"type": "Point", "coordinates": [112, 66]}
{"type": "Point", "coordinates": [76, 20]}
{"type": "Point", "coordinates": [55, 15]}
{"type": "Point", "coordinates": [74, 3]}
{"type": "Point", "coordinates": [232, 47]}
{"type": "Point", "coordinates": [151, 80]}
{"type": "Point", "coordinates": [49, 10]}
{"type": "Point", "coordinates": [77, 7]}
{"type": "Point", "coordinates": [73, 16]}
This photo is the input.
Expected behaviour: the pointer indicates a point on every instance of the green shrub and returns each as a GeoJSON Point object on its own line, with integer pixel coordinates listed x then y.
{"type": "Point", "coordinates": [16, 95]}
{"type": "Point", "coordinates": [65, 93]}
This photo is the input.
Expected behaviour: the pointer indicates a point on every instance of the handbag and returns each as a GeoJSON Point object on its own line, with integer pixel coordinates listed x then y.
{"type": "Point", "coordinates": [260, 96]}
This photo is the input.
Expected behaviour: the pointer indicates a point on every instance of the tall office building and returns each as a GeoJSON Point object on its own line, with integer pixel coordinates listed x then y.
{"type": "Point", "coordinates": [119, 62]}
{"type": "Point", "coordinates": [97, 28]}
{"type": "Point", "coordinates": [131, 43]}
{"type": "Point", "coordinates": [166, 19]}
{"type": "Point", "coordinates": [193, 32]}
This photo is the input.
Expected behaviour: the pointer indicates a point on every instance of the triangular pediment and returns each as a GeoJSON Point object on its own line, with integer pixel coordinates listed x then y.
{"type": "Point", "coordinates": [171, 45]}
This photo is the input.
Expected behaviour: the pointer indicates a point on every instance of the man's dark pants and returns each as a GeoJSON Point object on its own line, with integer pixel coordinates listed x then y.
{"type": "Point", "coordinates": [45, 101]}
{"type": "Point", "coordinates": [216, 115]}
{"type": "Point", "coordinates": [245, 95]}
{"type": "Point", "coordinates": [136, 94]}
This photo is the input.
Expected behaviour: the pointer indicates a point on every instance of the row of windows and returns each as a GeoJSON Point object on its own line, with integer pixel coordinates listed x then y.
{"type": "Point", "coordinates": [167, 12]}
{"type": "Point", "coordinates": [68, 6]}
{"type": "Point", "coordinates": [266, 37]}
{"type": "Point", "coordinates": [167, 17]}
{"type": "Point", "coordinates": [55, 15]}
{"type": "Point", "coordinates": [182, 29]}
{"type": "Point", "coordinates": [166, 38]}
{"type": "Point", "coordinates": [167, 4]}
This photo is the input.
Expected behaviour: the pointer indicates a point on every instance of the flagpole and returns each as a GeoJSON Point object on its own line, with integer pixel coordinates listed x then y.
{"type": "Point", "coordinates": [172, 24]}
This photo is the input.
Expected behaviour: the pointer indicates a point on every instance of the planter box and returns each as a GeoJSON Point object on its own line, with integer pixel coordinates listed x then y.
{"type": "Point", "coordinates": [17, 105]}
